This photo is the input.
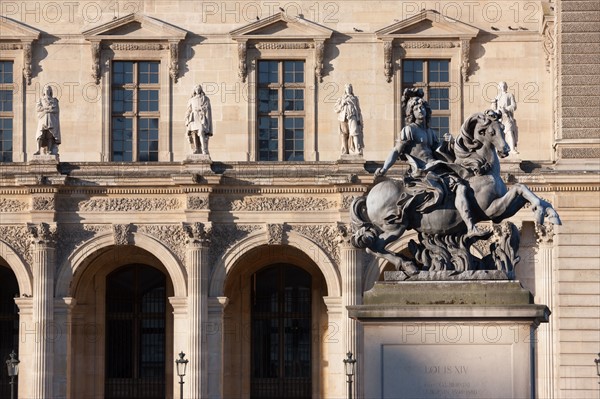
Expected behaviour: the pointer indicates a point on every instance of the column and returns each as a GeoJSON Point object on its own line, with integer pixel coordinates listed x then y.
{"type": "Point", "coordinates": [180, 338]}
{"type": "Point", "coordinates": [333, 349]}
{"type": "Point", "coordinates": [544, 282]}
{"type": "Point", "coordinates": [62, 338]}
{"type": "Point", "coordinates": [352, 269]}
{"type": "Point", "coordinates": [42, 249]}
{"type": "Point", "coordinates": [214, 341]}
{"type": "Point", "coordinates": [197, 263]}
{"type": "Point", "coordinates": [26, 339]}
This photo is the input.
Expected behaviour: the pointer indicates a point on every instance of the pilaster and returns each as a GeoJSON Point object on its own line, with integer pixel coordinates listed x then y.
{"type": "Point", "coordinates": [197, 263]}
{"type": "Point", "coordinates": [214, 341]}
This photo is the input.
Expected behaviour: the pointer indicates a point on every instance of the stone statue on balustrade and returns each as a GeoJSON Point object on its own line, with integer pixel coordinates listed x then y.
{"type": "Point", "coordinates": [450, 186]}
{"type": "Point", "coordinates": [350, 122]}
{"type": "Point", "coordinates": [198, 121]}
{"type": "Point", "coordinates": [505, 104]}
{"type": "Point", "coordinates": [48, 127]}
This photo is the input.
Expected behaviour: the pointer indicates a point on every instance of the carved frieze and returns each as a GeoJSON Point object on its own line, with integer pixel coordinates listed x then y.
{"type": "Point", "coordinates": [226, 236]}
{"type": "Point", "coordinates": [197, 202]}
{"type": "Point", "coordinates": [10, 46]}
{"type": "Point", "coordinates": [42, 233]}
{"type": "Point", "coordinates": [544, 233]}
{"type": "Point", "coordinates": [11, 205]}
{"type": "Point", "coordinates": [197, 233]}
{"type": "Point", "coordinates": [122, 234]}
{"type": "Point", "coordinates": [136, 46]}
{"type": "Point", "coordinates": [18, 238]}
{"type": "Point", "coordinates": [347, 200]}
{"type": "Point", "coordinates": [171, 235]}
{"type": "Point", "coordinates": [71, 236]}
{"type": "Point", "coordinates": [275, 233]}
{"type": "Point", "coordinates": [43, 203]}
{"type": "Point", "coordinates": [121, 205]}
{"type": "Point", "coordinates": [276, 204]}
{"type": "Point", "coordinates": [284, 45]}
{"type": "Point", "coordinates": [423, 44]}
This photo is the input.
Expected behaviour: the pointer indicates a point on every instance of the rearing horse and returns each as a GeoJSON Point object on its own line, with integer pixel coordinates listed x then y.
{"type": "Point", "coordinates": [382, 220]}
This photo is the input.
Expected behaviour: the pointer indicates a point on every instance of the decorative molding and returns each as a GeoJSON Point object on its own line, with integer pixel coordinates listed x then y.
{"type": "Point", "coordinates": [122, 234]}
{"type": "Point", "coordinates": [388, 66]}
{"type": "Point", "coordinates": [423, 44]}
{"type": "Point", "coordinates": [18, 238]}
{"type": "Point", "coordinates": [347, 200]}
{"type": "Point", "coordinates": [322, 235]}
{"type": "Point", "coordinates": [12, 205]}
{"type": "Point", "coordinates": [548, 44]}
{"type": "Point", "coordinates": [136, 46]}
{"type": "Point", "coordinates": [344, 234]}
{"type": "Point", "coordinates": [197, 202]}
{"type": "Point", "coordinates": [121, 205]}
{"type": "Point", "coordinates": [275, 233]}
{"type": "Point", "coordinates": [10, 46]}
{"type": "Point", "coordinates": [465, 47]}
{"type": "Point", "coordinates": [44, 203]}
{"type": "Point", "coordinates": [277, 204]}
{"type": "Point", "coordinates": [196, 233]}
{"type": "Point", "coordinates": [72, 236]}
{"type": "Point", "coordinates": [283, 45]}
{"type": "Point", "coordinates": [242, 62]}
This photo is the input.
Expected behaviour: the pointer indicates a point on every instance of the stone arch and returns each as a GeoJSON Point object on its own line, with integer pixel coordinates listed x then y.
{"type": "Point", "coordinates": [242, 247]}
{"type": "Point", "coordinates": [19, 268]}
{"type": "Point", "coordinates": [377, 265]}
{"type": "Point", "coordinates": [71, 270]}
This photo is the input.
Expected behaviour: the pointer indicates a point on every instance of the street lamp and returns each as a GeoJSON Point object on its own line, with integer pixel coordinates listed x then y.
{"type": "Point", "coordinates": [181, 366]}
{"type": "Point", "coordinates": [349, 364]}
{"type": "Point", "coordinates": [12, 365]}
{"type": "Point", "coordinates": [597, 361]}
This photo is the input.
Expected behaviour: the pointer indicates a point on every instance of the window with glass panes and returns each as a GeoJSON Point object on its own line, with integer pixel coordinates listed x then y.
{"type": "Point", "coordinates": [6, 111]}
{"type": "Point", "coordinates": [281, 113]}
{"type": "Point", "coordinates": [135, 112]}
{"type": "Point", "coordinates": [433, 76]}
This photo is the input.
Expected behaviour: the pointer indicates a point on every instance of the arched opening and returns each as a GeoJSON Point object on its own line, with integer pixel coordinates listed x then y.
{"type": "Point", "coordinates": [135, 333]}
{"type": "Point", "coordinates": [281, 332]}
{"type": "Point", "coordinates": [9, 324]}
{"type": "Point", "coordinates": [274, 325]}
{"type": "Point", "coordinates": [121, 339]}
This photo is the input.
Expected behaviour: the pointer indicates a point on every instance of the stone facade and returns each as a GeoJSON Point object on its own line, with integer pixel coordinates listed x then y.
{"type": "Point", "coordinates": [210, 225]}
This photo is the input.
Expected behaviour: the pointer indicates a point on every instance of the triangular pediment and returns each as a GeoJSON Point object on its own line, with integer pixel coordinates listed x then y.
{"type": "Point", "coordinates": [428, 24]}
{"type": "Point", "coordinates": [12, 30]}
{"type": "Point", "coordinates": [135, 27]}
{"type": "Point", "coordinates": [281, 26]}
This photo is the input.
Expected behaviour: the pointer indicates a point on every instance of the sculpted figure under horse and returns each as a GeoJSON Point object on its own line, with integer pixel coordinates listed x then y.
{"type": "Point", "coordinates": [442, 197]}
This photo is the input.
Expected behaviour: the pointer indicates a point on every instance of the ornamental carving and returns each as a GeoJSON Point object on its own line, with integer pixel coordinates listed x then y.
{"type": "Point", "coordinates": [197, 202]}
{"type": "Point", "coordinates": [579, 153]}
{"type": "Point", "coordinates": [464, 55]}
{"type": "Point", "coordinates": [242, 66]}
{"type": "Point", "coordinates": [126, 205]}
{"type": "Point", "coordinates": [174, 60]}
{"type": "Point", "coordinates": [260, 204]}
{"type": "Point", "coordinates": [544, 233]}
{"type": "Point", "coordinates": [18, 238]}
{"type": "Point", "coordinates": [225, 236]}
{"type": "Point", "coordinates": [415, 44]}
{"type": "Point", "coordinates": [324, 236]}
{"type": "Point", "coordinates": [347, 200]}
{"type": "Point", "coordinates": [548, 45]}
{"type": "Point", "coordinates": [43, 203]}
{"type": "Point", "coordinates": [96, 62]}
{"type": "Point", "coordinates": [71, 236]}
{"type": "Point", "coordinates": [388, 68]}
{"type": "Point", "coordinates": [41, 233]}
{"type": "Point", "coordinates": [284, 45]}
{"type": "Point", "coordinates": [136, 46]}
{"type": "Point", "coordinates": [344, 233]}
{"type": "Point", "coordinates": [275, 234]}
{"type": "Point", "coordinates": [27, 59]}
{"type": "Point", "coordinates": [12, 205]}
{"type": "Point", "coordinates": [10, 46]}
{"type": "Point", "coordinates": [319, 55]}
{"type": "Point", "coordinates": [196, 233]}
{"type": "Point", "coordinates": [171, 235]}
{"type": "Point", "coordinates": [122, 233]}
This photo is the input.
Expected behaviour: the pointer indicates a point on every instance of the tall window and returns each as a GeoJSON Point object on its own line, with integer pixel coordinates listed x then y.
{"type": "Point", "coordinates": [433, 76]}
{"type": "Point", "coordinates": [135, 333]}
{"type": "Point", "coordinates": [281, 110]}
{"type": "Point", "coordinates": [135, 115]}
{"type": "Point", "coordinates": [281, 333]}
{"type": "Point", "coordinates": [6, 111]}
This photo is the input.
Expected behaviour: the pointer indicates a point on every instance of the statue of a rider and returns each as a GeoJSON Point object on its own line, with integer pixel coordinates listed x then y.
{"type": "Point", "coordinates": [431, 161]}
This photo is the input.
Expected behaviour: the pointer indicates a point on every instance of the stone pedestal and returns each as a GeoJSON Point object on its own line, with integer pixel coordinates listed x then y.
{"type": "Point", "coordinates": [448, 339]}
{"type": "Point", "coordinates": [202, 158]}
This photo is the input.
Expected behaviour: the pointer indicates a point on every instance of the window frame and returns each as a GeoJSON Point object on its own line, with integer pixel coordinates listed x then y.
{"type": "Point", "coordinates": [108, 57]}
{"type": "Point", "coordinates": [281, 113]}
{"type": "Point", "coordinates": [9, 115]}
{"type": "Point", "coordinates": [283, 54]}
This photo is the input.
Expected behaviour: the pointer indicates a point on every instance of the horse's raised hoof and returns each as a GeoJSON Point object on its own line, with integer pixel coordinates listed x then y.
{"type": "Point", "coordinates": [538, 213]}
{"type": "Point", "coordinates": [409, 268]}
{"type": "Point", "coordinates": [476, 232]}
{"type": "Point", "coordinates": [552, 216]}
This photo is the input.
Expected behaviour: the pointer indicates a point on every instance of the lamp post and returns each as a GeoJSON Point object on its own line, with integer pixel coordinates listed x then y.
{"type": "Point", "coordinates": [349, 364]}
{"type": "Point", "coordinates": [597, 361]}
{"type": "Point", "coordinates": [12, 365]}
{"type": "Point", "coordinates": [181, 366]}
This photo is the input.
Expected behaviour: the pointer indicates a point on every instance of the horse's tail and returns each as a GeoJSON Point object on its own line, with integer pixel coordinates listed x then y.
{"type": "Point", "coordinates": [364, 231]}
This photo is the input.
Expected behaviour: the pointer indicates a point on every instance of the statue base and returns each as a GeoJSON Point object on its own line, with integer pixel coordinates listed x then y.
{"type": "Point", "coordinates": [45, 158]}
{"type": "Point", "coordinates": [451, 339]}
{"type": "Point", "coordinates": [201, 158]}
{"type": "Point", "coordinates": [351, 158]}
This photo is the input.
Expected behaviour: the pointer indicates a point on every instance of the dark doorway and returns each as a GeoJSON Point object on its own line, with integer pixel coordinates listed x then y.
{"type": "Point", "coordinates": [135, 333]}
{"type": "Point", "coordinates": [281, 333]}
{"type": "Point", "coordinates": [9, 325]}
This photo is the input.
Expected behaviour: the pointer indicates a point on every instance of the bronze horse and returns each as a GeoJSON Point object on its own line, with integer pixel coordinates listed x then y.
{"type": "Point", "coordinates": [392, 207]}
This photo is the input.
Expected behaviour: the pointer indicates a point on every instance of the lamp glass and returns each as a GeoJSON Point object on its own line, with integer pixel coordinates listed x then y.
{"type": "Point", "coordinates": [181, 365]}
{"type": "Point", "coordinates": [349, 363]}
{"type": "Point", "coordinates": [13, 365]}
{"type": "Point", "coordinates": [597, 361]}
